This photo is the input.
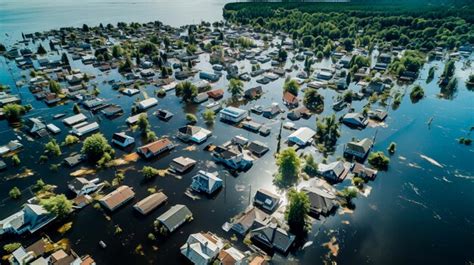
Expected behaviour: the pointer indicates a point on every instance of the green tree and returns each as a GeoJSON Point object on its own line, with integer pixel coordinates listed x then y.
{"type": "Point", "coordinates": [58, 205]}
{"type": "Point", "coordinates": [209, 116]}
{"type": "Point", "coordinates": [292, 87]}
{"type": "Point", "coordinates": [297, 212]}
{"type": "Point", "coordinates": [95, 146]}
{"type": "Point", "coordinates": [417, 93]}
{"type": "Point", "coordinates": [191, 118]}
{"type": "Point", "coordinates": [117, 51]}
{"type": "Point", "coordinates": [150, 172]}
{"type": "Point", "coordinates": [16, 160]}
{"type": "Point", "coordinates": [143, 122]}
{"type": "Point", "coordinates": [52, 147]}
{"type": "Point", "coordinates": [9, 248]}
{"type": "Point", "coordinates": [70, 139]}
{"type": "Point", "coordinates": [313, 100]}
{"type": "Point", "coordinates": [14, 193]}
{"type": "Point", "coordinates": [288, 167]}
{"type": "Point", "coordinates": [310, 167]}
{"type": "Point", "coordinates": [236, 87]}
{"type": "Point", "coordinates": [54, 87]}
{"type": "Point", "coordinates": [187, 91]}
{"type": "Point", "coordinates": [13, 112]}
{"type": "Point", "coordinates": [378, 160]}
{"type": "Point", "coordinates": [327, 131]}
{"type": "Point", "coordinates": [76, 109]}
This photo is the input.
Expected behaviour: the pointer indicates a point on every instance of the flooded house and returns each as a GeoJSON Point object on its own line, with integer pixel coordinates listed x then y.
{"type": "Point", "coordinates": [82, 186]}
{"type": "Point", "coordinates": [273, 237]}
{"type": "Point", "coordinates": [202, 248]}
{"type": "Point", "coordinates": [364, 172]}
{"type": "Point", "coordinates": [233, 114]}
{"type": "Point", "coordinates": [272, 111]}
{"type": "Point", "coordinates": [358, 149]}
{"type": "Point", "coordinates": [206, 182]}
{"type": "Point", "coordinates": [233, 156]}
{"type": "Point", "coordinates": [70, 121]}
{"type": "Point", "coordinates": [84, 128]}
{"type": "Point", "coordinates": [322, 202]}
{"type": "Point", "coordinates": [163, 115]}
{"type": "Point", "coordinates": [253, 92]}
{"type": "Point", "coordinates": [257, 148]}
{"type": "Point", "coordinates": [155, 148]}
{"type": "Point", "coordinates": [117, 198]}
{"type": "Point", "coordinates": [290, 100]}
{"type": "Point", "coordinates": [30, 219]}
{"type": "Point", "coordinates": [123, 140]}
{"type": "Point", "coordinates": [176, 216]}
{"type": "Point", "coordinates": [302, 137]}
{"type": "Point", "coordinates": [335, 171]}
{"type": "Point", "coordinates": [231, 255]}
{"type": "Point", "coordinates": [36, 127]}
{"type": "Point", "coordinates": [266, 200]}
{"type": "Point", "coordinates": [147, 103]}
{"type": "Point", "coordinates": [251, 218]}
{"type": "Point", "coordinates": [150, 203]}
{"type": "Point", "coordinates": [355, 120]}
{"type": "Point", "coordinates": [194, 134]}
{"type": "Point", "coordinates": [182, 164]}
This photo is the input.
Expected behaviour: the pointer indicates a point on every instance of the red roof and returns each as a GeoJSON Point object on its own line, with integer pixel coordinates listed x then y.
{"type": "Point", "coordinates": [216, 93]}
{"type": "Point", "coordinates": [155, 146]}
{"type": "Point", "coordinates": [290, 98]}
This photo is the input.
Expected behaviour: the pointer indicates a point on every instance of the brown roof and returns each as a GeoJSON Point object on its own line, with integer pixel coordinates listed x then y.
{"type": "Point", "coordinates": [117, 197]}
{"type": "Point", "coordinates": [289, 98]}
{"type": "Point", "coordinates": [216, 93]}
{"type": "Point", "coordinates": [226, 258]}
{"type": "Point", "coordinates": [258, 260]}
{"type": "Point", "coordinates": [151, 202]}
{"type": "Point", "coordinates": [88, 261]}
{"type": "Point", "coordinates": [155, 146]}
{"type": "Point", "coordinates": [39, 247]}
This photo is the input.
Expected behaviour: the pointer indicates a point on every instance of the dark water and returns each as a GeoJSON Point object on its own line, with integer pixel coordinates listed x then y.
{"type": "Point", "coordinates": [415, 213]}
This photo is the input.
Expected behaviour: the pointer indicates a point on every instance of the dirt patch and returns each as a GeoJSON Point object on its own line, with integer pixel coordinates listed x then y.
{"type": "Point", "coordinates": [132, 157]}
{"type": "Point", "coordinates": [333, 246]}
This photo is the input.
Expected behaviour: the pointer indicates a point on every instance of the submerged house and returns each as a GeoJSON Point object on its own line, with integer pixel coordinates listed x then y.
{"type": "Point", "coordinates": [233, 156]}
{"type": "Point", "coordinates": [356, 120]}
{"type": "Point", "coordinates": [302, 137]}
{"type": "Point", "coordinates": [358, 149]}
{"type": "Point", "coordinates": [252, 218]}
{"type": "Point", "coordinates": [233, 114]}
{"type": "Point", "coordinates": [290, 100]}
{"type": "Point", "coordinates": [272, 111]}
{"type": "Point", "coordinates": [273, 237]}
{"type": "Point", "coordinates": [182, 164]}
{"type": "Point", "coordinates": [30, 219]}
{"type": "Point", "coordinates": [193, 133]}
{"type": "Point", "coordinates": [206, 182]}
{"type": "Point", "coordinates": [82, 186]}
{"type": "Point", "coordinates": [149, 203]}
{"type": "Point", "coordinates": [322, 202]}
{"type": "Point", "coordinates": [335, 171]}
{"type": "Point", "coordinates": [117, 198]}
{"type": "Point", "coordinates": [266, 200]}
{"type": "Point", "coordinates": [254, 92]}
{"type": "Point", "coordinates": [202, 248]}
{"type": "Point", "coordinates": [122, 140]}
{"type": "Point", "coordinates": [174, 217]}
{"type": "Point", "coordinates": [155, 148]}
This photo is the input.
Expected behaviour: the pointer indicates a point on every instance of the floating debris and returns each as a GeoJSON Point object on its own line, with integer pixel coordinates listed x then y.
{"type": "Point", "coordinates": [239, 187]}
{"type": "Point", "coordinates": [83, 171]}
{"type": "Point", "coordinates": [345, 222]}
{"type": "Point", "coordinates": [402, 158]}
{"type": "Point", "coordinates": [307, 244]}
{"type": "Point", "coordinates": [132, 157]}
{"type": "Point", "coordinates": [414, 188]}
{"type": "Point", "coordinates": [414, 202]}
{"type": "Point", "coordinates": [191, 195]}
{"type": "Point", "coordinates": [333, 246]}
{"type": "Point", "coordinates": [190, 148]}
{"type": "Point", "coordinates": [344, 210]}
{"type": "Point", "coordinates": [414, 165]}
{"type": "Point", "coordinates": [432, 161]}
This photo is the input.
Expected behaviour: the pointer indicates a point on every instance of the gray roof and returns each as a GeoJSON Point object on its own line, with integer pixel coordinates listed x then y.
{"type": "Point", "coordinates": [175, 216]}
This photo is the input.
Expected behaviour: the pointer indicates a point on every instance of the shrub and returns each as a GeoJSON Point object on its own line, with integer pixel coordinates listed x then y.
{"type": "Point", "coordinates": [417, 93]}
{"type": "Point", "coordinates": [378, 160]}
{"type": "Point", "coordinates": [191, 118]}
{"type": "Point", "coordinates": [14, 193]}
{"type": "Point", "coordinates": [149, 172]}
{"type": "Point", "coordinates": [9, 248]}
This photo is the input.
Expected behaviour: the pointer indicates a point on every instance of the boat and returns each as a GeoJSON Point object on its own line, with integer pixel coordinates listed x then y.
{"type": "Point", "coordinates": [102, 244]}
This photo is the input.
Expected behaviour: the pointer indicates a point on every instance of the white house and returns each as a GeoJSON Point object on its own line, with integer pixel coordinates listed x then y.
{"type": "Point", "coordinates": [233, 114]}
{"type": "Point", "coordinates": [302, 136]}
{"type": "Point", "coordinates": [206, 182]}
{"type": "Point", "coordinates": [147, 103]}
{"type": "Point", "coordinates": [202, 248]}
{"type": "Point", "coordinates": [123, 140]}
{"type": "Point", "coordinates": [82, 186]}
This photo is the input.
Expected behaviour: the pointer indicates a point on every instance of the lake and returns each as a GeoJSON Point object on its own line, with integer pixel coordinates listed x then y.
{"type": "Point", "coordinates": [418, 212]}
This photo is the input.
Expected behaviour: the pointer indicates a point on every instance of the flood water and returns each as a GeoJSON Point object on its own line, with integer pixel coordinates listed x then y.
{"type": "Point", "coordinates": [417, 212]}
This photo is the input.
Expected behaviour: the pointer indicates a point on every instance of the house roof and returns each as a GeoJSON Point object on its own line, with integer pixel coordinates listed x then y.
{"type": "Point", "coordinates": [320, 200]}
{"type": "Point", "coordinates": [79, 183]}
{"type": "Point", "coordinates": [200, 248]}
{"type": "Point", "coordinates": [120, 137]}
{"type": "Point", "coordinates": [303, 134]}
{"type": "Point", "coordinates": [117, 197]}
{"type": "Point", "coordinates": [275, 236]}
{"type": "Point", "coordinates": [290, 98]}
{"type": "Point", "coordinates": [151, 202]}
{"type": "Point", "coordinates": [250, 216]}
{"type": "Point", "coordinates": [216, 93]}
{"type": "Point", "coordinates": [155, 146]}
{"type": "Point", "coordinates": [174, 216]}
{"type": "Point", "coordinates": [230, 256]}
{"type": "Point", "coordinates": [362, 146]}
{"type": "Point", "coordinates": [267, 197]}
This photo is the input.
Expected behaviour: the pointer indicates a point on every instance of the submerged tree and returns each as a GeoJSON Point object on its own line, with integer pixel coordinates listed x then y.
{"type": "Point", "coordinates": [58, 205]}
{"type": "Point", "coordinates": [236, 87]}
{"type": "Point", "coordinates": [187, 91]}
{"type": "Point", "coordinates": [292, 87]}
{"type": "Point", "coordinates": [297, 212]}
{"type": "Point", "coordinates": [327, 132]}
{"type": "Point", "coordinates": [417, 93]}
{"type": "Point", "coordinates": [313, 100]}
{"type": "Point", "coordinates": [288, 167]}
{"type": "Point", "coordinates": [96, 147]}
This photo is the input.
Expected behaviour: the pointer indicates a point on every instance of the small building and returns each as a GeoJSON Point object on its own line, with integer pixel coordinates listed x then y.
{"type": "Point", "coordinates": [70, 121]}
{"type": "Point", "coordinates": [335, 171]}
{"type": "Point", "coordinates": [364, 172]}
{"type": "Point", "coordinates": [130, 91]}
{"type": "Point", "coordinates": [272, 111]}
{"type": "Point", "coordinates": [85, 129]}
{"type": "Point", "coordinates": [151, 202]}
{"type": "Point", "coordinates": [290, 100]}
{"type": "Point", "coordinates": [355, 120]}
{"type": "Point", "coordinates": [36, 126]}
{"type": "Point", "coordinates": [74, 160]}
{"type": "Point", "coordinates": [133, 119]}
{"type": "Point", "coordinates": [209, 76]}
{"type": "Point", "coordinates": [258, 148]}
{"type": "Point", "coordinates": [378, 114]}
{"type": "Point", "coordinates": [193, 133]}
{"type": "Point", "coordinates": [147, 103]}
{"type": "Point", "coordinates": [358, 149]}
{"type": "Point", "coordinates": [322, 202]}
{"type": "Point", "coordinates": [266, 200]}
{"type": "Point", "coordinates": [200, 98]}
{"type": "Point", "coordinates": [82, 186]}
{"type": "Point", "coordinates": [233, 156]}
{"type": "Point", "coordinates": [182, 164]}
{"type": "Point", "coordinates": [117, 198]}
{"type": "Point", "coordinates": [216, 94]}
{"type": "Point", "coordinates": [231, 256]}
{"type": "Point", "coordinates": [123, 140]}
{"type": "Point", "coordinates": [155, 148]}
{"type": "Point", "coordinates": [112, 111]}
{"type": "Point", "coordinates": [163, 115]}
{"type": "Point", "coordinates": [251, 125]}
{"type": "Point", "coordinates": [254, 92]}
{"type": "Point", "coordinates": [252, 218]}
{"type": "Point", "coordinates": [30, 219]}
{"type": "Point", "coordinates": [273, 237]}
{"type": "Point", "coordinates": [302, 137]}
{"type": "Point", "coordinates": [202, 248]}
{"type": "Point", "coordinates": [206, 182]}
{"type": "Point", "coordinates": [53, 128]}
{"type": "Point", "coordinates": [174, 217]}
{"type": "Point", "coordinates": [233, 114]}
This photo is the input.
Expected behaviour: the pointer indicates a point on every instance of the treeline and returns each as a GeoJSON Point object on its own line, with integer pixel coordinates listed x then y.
{"type": "Point", "coordinates": [318, 25]}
